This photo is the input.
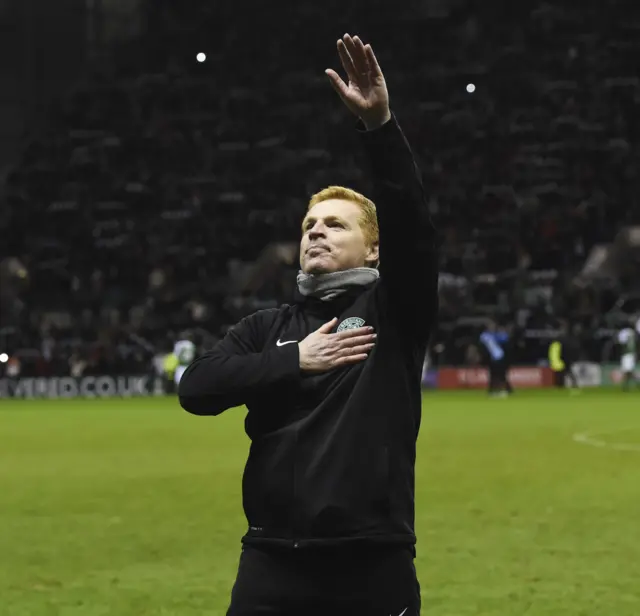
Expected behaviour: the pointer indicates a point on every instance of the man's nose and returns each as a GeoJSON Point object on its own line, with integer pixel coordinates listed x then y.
{"type": "Point", "coordinates": [318, 230]}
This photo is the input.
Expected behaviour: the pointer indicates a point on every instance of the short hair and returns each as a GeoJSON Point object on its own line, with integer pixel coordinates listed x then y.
{"type": "Point", "coordinates": [368, 219]}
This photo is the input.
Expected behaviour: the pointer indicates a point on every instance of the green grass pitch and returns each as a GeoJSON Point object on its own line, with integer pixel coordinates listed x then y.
{"type": "Point", "coordinates": [132, 507]}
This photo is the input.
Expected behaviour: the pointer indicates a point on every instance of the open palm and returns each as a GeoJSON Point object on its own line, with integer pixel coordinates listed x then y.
{"type": "Point", "coordinates": [366, 93]}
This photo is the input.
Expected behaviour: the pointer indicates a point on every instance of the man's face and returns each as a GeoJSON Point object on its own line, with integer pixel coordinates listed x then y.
{"type": "Point", "coordinates": [332, 239]}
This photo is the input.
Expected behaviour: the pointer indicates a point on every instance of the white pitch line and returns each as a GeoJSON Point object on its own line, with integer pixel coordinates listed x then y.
{"type": "Point", "coordinates": [590, 439]}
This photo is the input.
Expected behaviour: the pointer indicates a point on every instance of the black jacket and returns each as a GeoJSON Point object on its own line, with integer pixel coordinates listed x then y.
{"type": "Point", "coordinates": [332, 455]}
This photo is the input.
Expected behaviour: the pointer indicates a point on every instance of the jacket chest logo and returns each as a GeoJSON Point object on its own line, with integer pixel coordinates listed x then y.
{"type": "Point", "coordinates": [351, 323]}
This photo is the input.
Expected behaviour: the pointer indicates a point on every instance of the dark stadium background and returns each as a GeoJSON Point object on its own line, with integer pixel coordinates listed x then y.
{"type": "Point", "coordinates": [145, 196]}
{"type": "Point", "coordinates": [145, 193]}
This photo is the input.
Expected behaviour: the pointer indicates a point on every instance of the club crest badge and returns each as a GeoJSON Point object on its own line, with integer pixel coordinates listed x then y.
{"type": "Point", "coordinates": [351, 323]}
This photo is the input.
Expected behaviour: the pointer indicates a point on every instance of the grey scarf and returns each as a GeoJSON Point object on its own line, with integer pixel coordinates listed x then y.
{"type": "Point", "coordinates": [329, 286]}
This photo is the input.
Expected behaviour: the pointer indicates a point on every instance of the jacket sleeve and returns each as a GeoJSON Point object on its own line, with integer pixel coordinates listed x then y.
{"type": "Point", "coordinates": [236, 370]}
{"type": "Point", "coordinates": [408, 251]}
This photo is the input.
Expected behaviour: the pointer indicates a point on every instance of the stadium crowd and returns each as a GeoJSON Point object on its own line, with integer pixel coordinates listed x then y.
{"type": "Point", "coordinates": [166, 194]}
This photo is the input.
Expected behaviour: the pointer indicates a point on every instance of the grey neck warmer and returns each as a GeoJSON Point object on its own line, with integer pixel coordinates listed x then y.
{"type": "Point", "coordinates": [329, 286]}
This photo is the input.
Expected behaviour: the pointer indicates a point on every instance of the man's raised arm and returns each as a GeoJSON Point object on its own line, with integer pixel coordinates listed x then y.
{"type": "Point", "coordinates": [408, 254]}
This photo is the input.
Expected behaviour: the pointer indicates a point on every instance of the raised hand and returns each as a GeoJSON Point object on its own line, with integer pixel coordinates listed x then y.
{"type": "Point", "coordinates": [366, 94]}
{"type": "Point", "coordinates": [322, 351]}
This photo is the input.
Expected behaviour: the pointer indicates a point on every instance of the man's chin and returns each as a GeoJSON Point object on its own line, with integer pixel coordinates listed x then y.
{"type": "Point", "coordinates": [317, 267]}
{"type": "Point", "coordinates": [318, 271]}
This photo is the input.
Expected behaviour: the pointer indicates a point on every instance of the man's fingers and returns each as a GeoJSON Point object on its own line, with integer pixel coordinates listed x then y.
{"type": "Point", "coordinates": [347, 62]}
{"type": "Point", "coordinates": [336, 82]}
{"type": "Point", "coordinates": [348, 343]}
{"type": "Point", "coordinates": [374, 67]}
{"type": "Point", "coordinates": [353, 333]}
{"type": "Point", "coordinates": [327, 327]}
{"type": "Point", "coordinates": [358, 350]}
{"type": "Point", "coordinates": [362, 349]}
{"type": "Point", "coordinates": [360, 58]}
{"type": "Point", "coordinates": [351, 359]}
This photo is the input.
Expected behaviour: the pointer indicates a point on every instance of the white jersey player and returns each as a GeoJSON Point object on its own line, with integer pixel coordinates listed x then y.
{"type": "Point", "coordinates": [627, 339]}
{"type": "Point", "coordinates": [185, 351]}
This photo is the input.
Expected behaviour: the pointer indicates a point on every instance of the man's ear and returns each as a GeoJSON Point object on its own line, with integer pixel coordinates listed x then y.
{"type": "Point", "coordinates": [373, 256]}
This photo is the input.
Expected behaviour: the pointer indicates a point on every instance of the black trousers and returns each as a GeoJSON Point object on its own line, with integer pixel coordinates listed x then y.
{"type": "Point", "coordinates": [560, 377]}
{"type": "Point", "coordinates": [499, 376]}
{"type": "Point", "coordinates": [374, 581]}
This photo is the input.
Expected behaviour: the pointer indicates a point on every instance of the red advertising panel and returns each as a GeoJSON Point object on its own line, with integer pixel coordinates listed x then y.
{"type": "Point", "coordinates": [521, 377]}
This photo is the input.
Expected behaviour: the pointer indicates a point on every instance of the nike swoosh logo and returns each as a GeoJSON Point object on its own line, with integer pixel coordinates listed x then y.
{"type": "Point", "coordinates": [401, 613]}
{"type": "Point", "coordinates": [289, 342]}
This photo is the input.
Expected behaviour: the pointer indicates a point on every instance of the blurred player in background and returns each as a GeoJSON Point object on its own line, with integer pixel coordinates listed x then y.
{"type": "Point", "coordinates": [169, 365]}
{"type": "Point", "coordinates": [563, 354]}
{"type": "Point", "coordinates": [495, 342]}
{"type": "Point", "coordinates": [628, 341]}
{"type": "Point", "coordinates": [185, 352]}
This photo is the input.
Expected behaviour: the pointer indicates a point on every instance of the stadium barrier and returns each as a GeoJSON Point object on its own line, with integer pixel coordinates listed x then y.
{"type": "Point", "coordinates": [103, 386]}
{"type": "Point", "coordinates": [591, 374]}
{"type": "Point", "coordinates": [521, 377]}
{"type": "Point", "coordinates": [588, 374]}
{"type": "Point", "coordinates": [612, 374]}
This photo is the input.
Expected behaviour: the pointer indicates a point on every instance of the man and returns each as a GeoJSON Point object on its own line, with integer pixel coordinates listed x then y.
{"type": "Point", "coordinates": [627, 340]}
{"type": "Point", "coordinates": [495, 342]}
{"type": "Point", "coordinates": [169, 366]}
{"type": "Point", "coordinates": [562, 354]}
{"type": "Point", "coordinates": [332, 384]}
{"type": "Point", "coordinates": [184, 352]}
